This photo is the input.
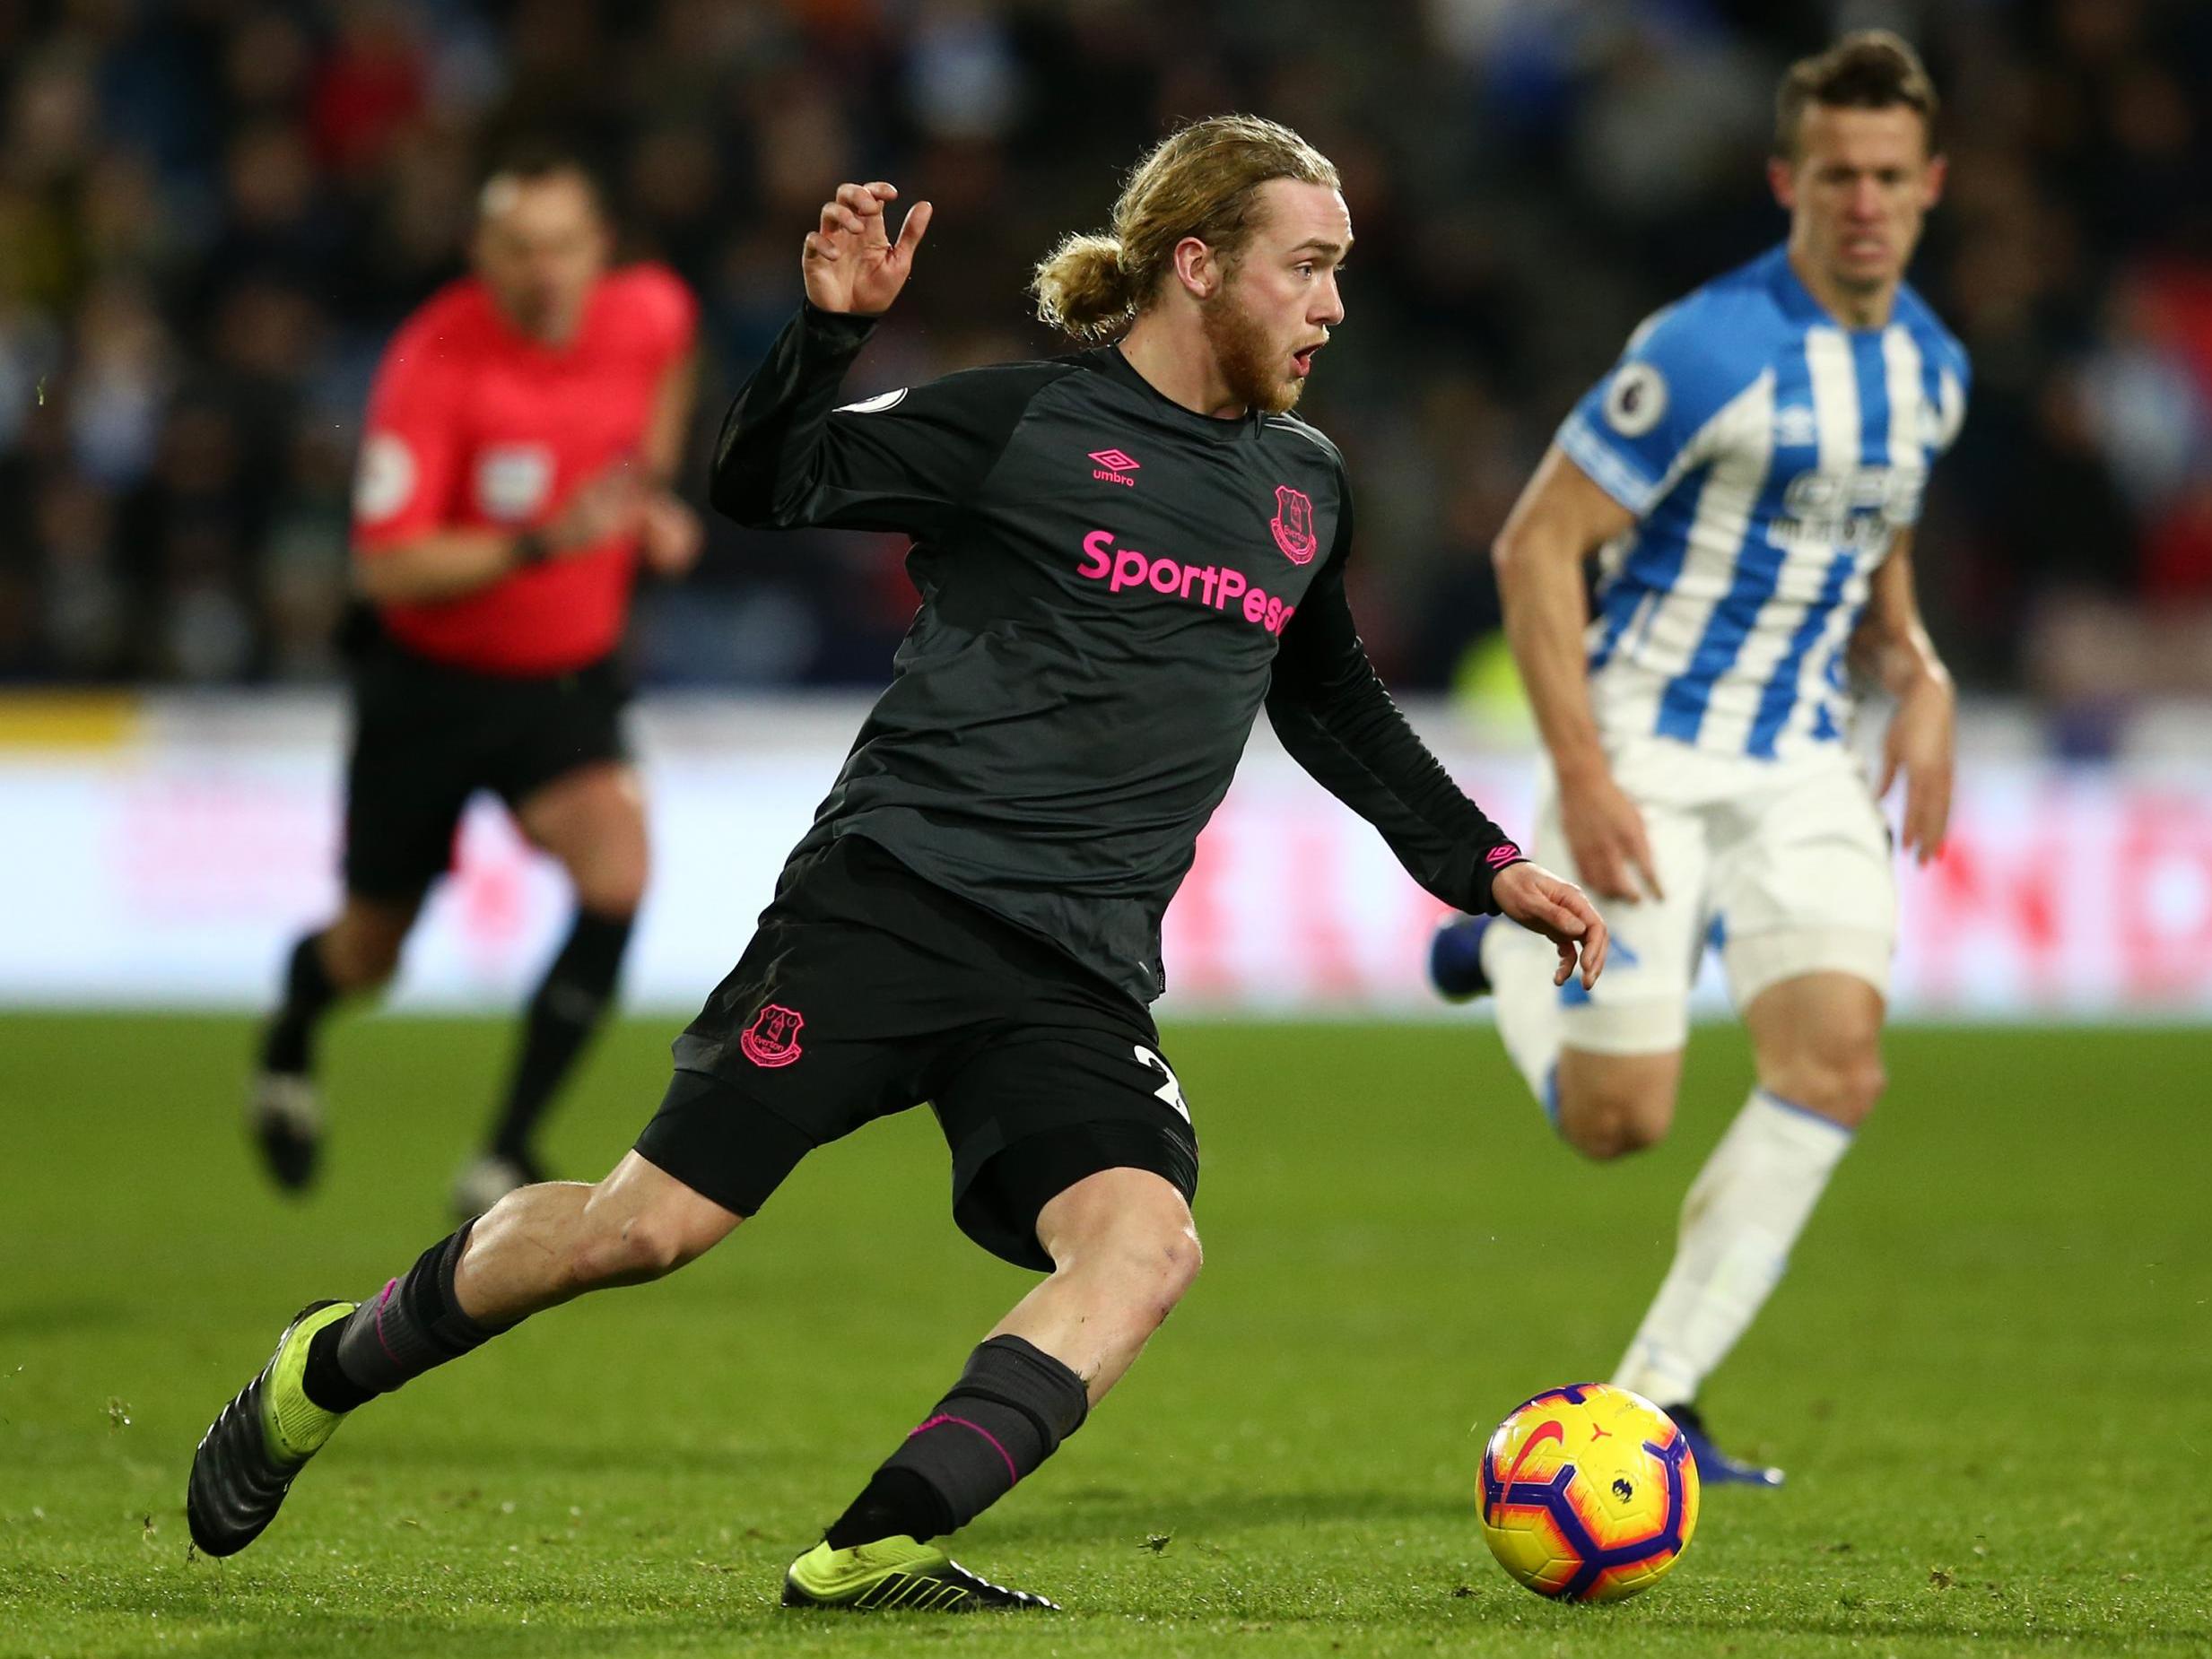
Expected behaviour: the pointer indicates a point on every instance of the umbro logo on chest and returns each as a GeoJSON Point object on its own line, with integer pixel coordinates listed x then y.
{"type": "Point", "coordinates": [1113, 466]}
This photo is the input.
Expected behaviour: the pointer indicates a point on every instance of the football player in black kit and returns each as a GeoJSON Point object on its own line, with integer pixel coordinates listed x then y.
{"type": "Point", "coordinates": [1123, 554]}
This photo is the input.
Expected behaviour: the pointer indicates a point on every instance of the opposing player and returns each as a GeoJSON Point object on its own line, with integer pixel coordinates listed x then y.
{"type": "Point", "coordinates": [513, 476]}
{"type": "Point", "coordinates": [1122, 554]}
{"type": "Point", "coordinates": [1752, 470]}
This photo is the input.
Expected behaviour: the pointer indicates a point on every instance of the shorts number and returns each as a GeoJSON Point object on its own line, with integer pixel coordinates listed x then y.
{"type": "Point", "coordinates": [1171, 1092]}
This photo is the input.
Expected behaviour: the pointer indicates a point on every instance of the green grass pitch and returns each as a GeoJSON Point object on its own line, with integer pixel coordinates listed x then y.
{"type": "Point", "coordinates": [1986, 1372]}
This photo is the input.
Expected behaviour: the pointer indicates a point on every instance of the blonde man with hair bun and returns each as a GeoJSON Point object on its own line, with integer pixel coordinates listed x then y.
{"type": "Point", "coordinates": [1202, 181]}
{"type": "Point", "coordinates": [1123, 555]}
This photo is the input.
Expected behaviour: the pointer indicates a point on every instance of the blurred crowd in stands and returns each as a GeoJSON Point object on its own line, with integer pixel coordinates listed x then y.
{"type": "Point", "coordinates": [214, 212]}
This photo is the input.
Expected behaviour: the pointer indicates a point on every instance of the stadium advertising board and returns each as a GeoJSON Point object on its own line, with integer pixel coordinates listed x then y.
{"type": "Point", "coordinates": [169, 866]}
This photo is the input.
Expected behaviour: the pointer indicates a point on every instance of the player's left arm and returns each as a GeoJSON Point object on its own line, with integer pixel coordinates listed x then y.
{"type": "Point", "coordinates": [1892, 644]}
{"type": "Point", "coordinates": [1337, 721]}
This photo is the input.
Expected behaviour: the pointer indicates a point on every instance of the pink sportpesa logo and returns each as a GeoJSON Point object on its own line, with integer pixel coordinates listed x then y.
{"type": "Point", "coordinates": [1215, 586]}
{"type": "Point", "coordinates": [1501, 855]}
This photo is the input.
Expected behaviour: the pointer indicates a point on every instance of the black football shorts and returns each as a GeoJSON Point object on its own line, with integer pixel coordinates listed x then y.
{"type": "Point", "coordinates": [427, 736]}
{"type": "Point", "coordinates": [868, 991]}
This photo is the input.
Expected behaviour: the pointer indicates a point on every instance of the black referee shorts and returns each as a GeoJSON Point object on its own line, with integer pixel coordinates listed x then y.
{"type": "Point", "coordinates": [427, 736]}
{"type": "Point", "coordinates": [868, 991]}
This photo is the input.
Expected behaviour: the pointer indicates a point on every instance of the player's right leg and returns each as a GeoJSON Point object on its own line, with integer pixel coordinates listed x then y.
{"type": "Point", "coordinates": [357, 951]}
{"type": "Point", "coordinates": [409, 775]}
{"type": "Point", "coordinates": [539, 1246]}
{"type": "Point", "coordinates": [1124, 1250]}
{"type": "Point", "coordinates": [1073, 1156]}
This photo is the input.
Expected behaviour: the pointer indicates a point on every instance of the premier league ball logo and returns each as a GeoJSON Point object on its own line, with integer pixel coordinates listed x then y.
{"type": "Point", "coordinates": [772, 1038]}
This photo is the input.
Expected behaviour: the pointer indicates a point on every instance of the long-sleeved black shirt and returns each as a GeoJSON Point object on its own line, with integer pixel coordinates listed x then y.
{"type": "Point", "coordinates": [1111, 587]}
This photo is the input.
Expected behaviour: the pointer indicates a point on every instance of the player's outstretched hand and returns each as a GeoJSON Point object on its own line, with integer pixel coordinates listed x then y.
{"type": "Point", "coordinates": [851, 264]}
{"type": "Point", "coordinates": [1547, 904]}
{"type": "Point", "coordinates": [1921, 743]}
{"type": "Point", "coordinates": [1605, 834]}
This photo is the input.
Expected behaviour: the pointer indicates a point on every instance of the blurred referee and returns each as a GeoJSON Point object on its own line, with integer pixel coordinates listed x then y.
{"type": "Point", "coordinates": [519, 435]}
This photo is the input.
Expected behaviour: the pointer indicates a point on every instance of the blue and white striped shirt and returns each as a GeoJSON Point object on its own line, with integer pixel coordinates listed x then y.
{"type": "Point", "coordinates": [1770, 456]}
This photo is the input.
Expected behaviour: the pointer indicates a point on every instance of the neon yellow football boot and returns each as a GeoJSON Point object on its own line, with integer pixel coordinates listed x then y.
{"type": "Point", "coordinates": [895, 1573]}
{"type": "Point", "coordinates": [256, 1447]}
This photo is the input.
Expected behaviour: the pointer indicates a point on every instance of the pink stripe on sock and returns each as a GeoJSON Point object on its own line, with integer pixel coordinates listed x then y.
{"type": "Point", "coordinates": [390, 1285]}
{"type": "Point", "coordinates": [1013, 1473]}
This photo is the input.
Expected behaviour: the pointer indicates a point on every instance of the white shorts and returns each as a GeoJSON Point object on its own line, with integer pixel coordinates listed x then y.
{"type": "Point", "coordinates": [1784, 867]}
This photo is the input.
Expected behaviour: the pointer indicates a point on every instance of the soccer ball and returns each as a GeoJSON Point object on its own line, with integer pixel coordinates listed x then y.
{"type": "Point", "coordinates": [1589, 1493]}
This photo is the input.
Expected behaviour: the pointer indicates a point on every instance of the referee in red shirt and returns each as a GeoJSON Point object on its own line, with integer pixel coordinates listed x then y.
{"type": "Point", "coordinates": [519, 435]}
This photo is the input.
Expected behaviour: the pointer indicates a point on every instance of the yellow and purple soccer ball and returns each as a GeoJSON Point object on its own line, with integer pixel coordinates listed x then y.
{"type": "Point", "coordinates": [1589, 1493]}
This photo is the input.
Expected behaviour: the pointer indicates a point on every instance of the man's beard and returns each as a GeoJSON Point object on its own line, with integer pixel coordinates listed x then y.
{"type": "Point", "coordinates": [1248, 363]}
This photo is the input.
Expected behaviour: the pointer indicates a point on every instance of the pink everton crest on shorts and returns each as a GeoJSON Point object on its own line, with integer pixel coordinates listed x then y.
{"type": "Point", "coordinates": [1294, 525]}
{"type": "Point", "coordinates": [772, 1038]}
{"type": "Point", "coordinates": [1502, 854]}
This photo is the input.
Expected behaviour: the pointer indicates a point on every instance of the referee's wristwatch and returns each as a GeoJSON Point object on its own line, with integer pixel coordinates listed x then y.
{"type": "Point", "coordinates": [532, 547]}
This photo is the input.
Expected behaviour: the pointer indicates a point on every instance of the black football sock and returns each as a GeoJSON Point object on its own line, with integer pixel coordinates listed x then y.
{"type": "Point", "coordinates": [1011, 1409]}
{"type": "Point", "coordinates": [324, 1379]}
{"type": "Point", "coordinates": [563, 1015]}
{"type": "Point", "coordinates": [895, 1503]}
{"type": "Point", "coordinates": [288, 1043]}
{"type": "Point", "coordinates": [412, 1326]}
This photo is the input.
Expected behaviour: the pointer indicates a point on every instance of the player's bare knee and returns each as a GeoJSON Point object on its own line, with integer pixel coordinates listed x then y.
{"type": "Point", "coordinates": [1869, 1081]}
{"type": "Point", "coordinates": [1845, 1090]}
{"type": "Point", "coordinates": [1144, 1264]}
{"type": "Point", "coordinates": [1612, 1104]}
{"type": "Point", "coordinates": [1157, 1270]}
{"type": "Point", "coordinates": [653, 1245]}
{"type": "Point", "coordinates": [353, 971]}
{"type": "Point", "coordinates": [631, 1245]}
{"type": "Point", "coordinates": [1603, 1139]}
{"type": "Point", "coordinates": [641, 1249]}
{"type": "Point", "coordinates": [1842, 1081]}
{"type": "Point", "coordinates": [613, 894]}
{"type": "Point", "coordinates": [1180, 1256]}
{"type": "Point", "coordinates": [1605, 1124]}
{"type": "Point", "coordinates": [1160, 1253]}
{"type": "Point", "coordinates": [609, 874]}
{"type": "Point", "coordinates": [362, 959]}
